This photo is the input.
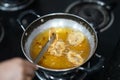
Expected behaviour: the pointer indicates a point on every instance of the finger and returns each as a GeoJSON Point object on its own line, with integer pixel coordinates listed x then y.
{"type": "Point", "coordinates": [29, 68]}
{"type": "Point", "coordinates": [29, 71]}
{"type": "Point", "coordinates": [27, 63]}
{"type": "Point", "coordinates": [27, 78]}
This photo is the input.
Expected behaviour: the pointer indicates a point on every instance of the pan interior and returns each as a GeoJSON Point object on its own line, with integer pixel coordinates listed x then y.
{"type": "Point", "coordinates": [60, 22]}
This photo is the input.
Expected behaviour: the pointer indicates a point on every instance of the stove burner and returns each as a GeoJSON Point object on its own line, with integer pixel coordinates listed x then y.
{"type": "Point", "coordinates": [94, 12]}
{"type": "Point", "coordinates": [1, 33]}
{"type": "Point", "coordinates": [14, 5]}
{"type": "Point", "coordinates": [74, 76]}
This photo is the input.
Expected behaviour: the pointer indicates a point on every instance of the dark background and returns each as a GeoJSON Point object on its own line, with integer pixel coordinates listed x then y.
{"type": "Point", "coordinates": [108, 46]}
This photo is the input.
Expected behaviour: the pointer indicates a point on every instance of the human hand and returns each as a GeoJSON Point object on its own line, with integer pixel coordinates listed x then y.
{"type": "Point", "coordinates": [16, 69]}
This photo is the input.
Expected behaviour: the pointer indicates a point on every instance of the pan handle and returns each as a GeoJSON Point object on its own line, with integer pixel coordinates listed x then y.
{"type": "Point", "coordinates": [22, 15]}
{"type": "Point", "coordinates": [96, 67]}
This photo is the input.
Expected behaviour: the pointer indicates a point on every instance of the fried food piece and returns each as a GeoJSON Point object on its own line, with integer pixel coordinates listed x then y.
{"type": "Point", "coordinates": [75, 38]}
{"type": "Point", "coordinates": [75, 58]}
{"type": "Point", "coordinates": [57, 48]}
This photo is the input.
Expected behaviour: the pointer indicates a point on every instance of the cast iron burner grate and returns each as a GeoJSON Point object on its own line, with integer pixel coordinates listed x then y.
{"type": "Point", "coordinates": [76, 75]}
{"type": "Point", "coordinates": [93, 12]}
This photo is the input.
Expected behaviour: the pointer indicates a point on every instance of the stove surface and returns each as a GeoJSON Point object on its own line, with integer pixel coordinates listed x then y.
{"type": "Point", "coordinates": [108, 46]}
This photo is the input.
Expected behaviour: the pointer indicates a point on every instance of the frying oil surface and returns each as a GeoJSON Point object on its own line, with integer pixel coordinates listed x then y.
{"type": "Point", "coordinates": [70, 48]}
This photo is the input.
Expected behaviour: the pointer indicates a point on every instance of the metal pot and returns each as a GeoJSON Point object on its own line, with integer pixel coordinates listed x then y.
{"type": "Point", "coordinates": [61, 19]}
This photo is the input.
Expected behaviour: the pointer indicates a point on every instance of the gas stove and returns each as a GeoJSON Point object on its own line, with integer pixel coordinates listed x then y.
{"type": "Point", "coordinates": [108, 40]}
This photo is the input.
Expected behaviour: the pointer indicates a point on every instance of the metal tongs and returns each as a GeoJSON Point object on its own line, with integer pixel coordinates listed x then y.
{"type": "Point", "coordinates": [45, 47]}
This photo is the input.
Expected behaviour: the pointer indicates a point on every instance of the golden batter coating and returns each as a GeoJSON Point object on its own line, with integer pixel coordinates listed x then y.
{"type": "Point", "coordinates": [57, 48]}
{"type": "Point", "coordinates": [75, 58]}
{"type": "Point", "coordinates": [75, 38]}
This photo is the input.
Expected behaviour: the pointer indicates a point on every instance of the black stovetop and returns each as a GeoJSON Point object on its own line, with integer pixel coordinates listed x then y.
{"type": "Point", "coordinates": [108, 46]}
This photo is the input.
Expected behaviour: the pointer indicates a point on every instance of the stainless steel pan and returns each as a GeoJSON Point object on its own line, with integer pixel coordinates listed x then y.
{"type": "Point", "coordinates": [62, 19]}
